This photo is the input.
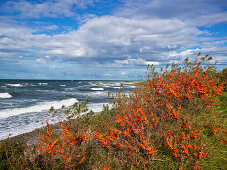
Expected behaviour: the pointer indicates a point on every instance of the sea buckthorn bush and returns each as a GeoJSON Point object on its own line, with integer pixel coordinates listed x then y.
{"type": "Point", "coordinates": [64, 147]}
{"type": "Point", "coordinates": [168, 121]}
{"type": "Point", "coordinates": [173, 120]}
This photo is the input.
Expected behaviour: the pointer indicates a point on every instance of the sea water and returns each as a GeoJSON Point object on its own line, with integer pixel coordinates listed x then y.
{"type": "Point", "coordinates": [24, 103]}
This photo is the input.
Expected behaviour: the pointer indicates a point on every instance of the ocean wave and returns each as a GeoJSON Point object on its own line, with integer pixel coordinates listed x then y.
{"type": "Point", "coordinates": [62, 85]}
{"type": "Point", "coordinates": [115, 84]}
{"type": "Point", "coordinates": [130, 86]}
{"type": "Point", "coordinates": [42, 106]}
{"type": "Point", "coordinates": [42, 83]}
{"type": "Point", "coordinates": [15, 85]}
{"type": "Point", "coordinates": [129, 83]}
{"type": "Point", "coordinates": [5, 95]}
{"type": "Point", "coordinates": [97, 107]}
{"type": "Point", "coordinates": [93, 84]}
{"type": "Point", "coordinates": [116, 87]}
{"type": "Point", "coordinates": [97, 94]}
{"type": "Point", "coordinates": [97, 89]}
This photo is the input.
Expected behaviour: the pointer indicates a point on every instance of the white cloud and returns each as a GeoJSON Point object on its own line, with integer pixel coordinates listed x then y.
{"type": "Point", "coordinates": [106, 36]}
{"type": "Point", "coordinates": [48, 8]}
{"type": "Point", "coordinates": [136, 61]}
{"type": "Point", "coordinates": [146, 40]}
{"type": "Point", "coordinates": [55, 67]}
{"type": "Point", "coordinates": [40, 60]}
{"type": "Point", "coordinates": [210, 19]}
{"type": "Point", "coordinates": [47, 56]}
{"type": "Point", "coordinates": [152, 63]}
{"type": "Point", "coordinates": [108, 75]}
{"type": "Point", "coordinates": [184, 53]}
{"type": "Point", "coordinates": [124, 73]}
{"type": "Point", "coordinates": [197, 12]}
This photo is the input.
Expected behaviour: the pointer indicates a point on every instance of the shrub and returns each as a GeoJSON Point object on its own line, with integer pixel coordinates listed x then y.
{"type": "Point", "coordinates": [172, 120]}
{"type": "Point", "coordinates": [162, 119]}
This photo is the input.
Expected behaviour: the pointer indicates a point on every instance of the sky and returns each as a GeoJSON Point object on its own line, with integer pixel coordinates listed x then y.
{"type": "Point", "coordinates": [106, 39]}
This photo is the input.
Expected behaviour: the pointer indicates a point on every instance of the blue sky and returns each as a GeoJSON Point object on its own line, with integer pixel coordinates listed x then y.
{"type": "Point", "coordinates": [106, 40]}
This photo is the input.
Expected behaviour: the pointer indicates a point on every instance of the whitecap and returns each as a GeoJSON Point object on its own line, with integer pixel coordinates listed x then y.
{"type": "Point", "coordinates": [97, 89]}
{"type": "Point", "coordinates": [62, 85]}
{"type": "Point", "coordinates": [15, 85]}
{"type": "Point", "coordinates": [5, 95]}
{"type": "Point", "coordinates": [116, 84]}
{"type": "Point", "coordinates": [129, 83]}
{"type": "Point", "coordinates": [97, 107]}
{"type": "Point", "coordinates": [97, 93]}
{"type": "Point", "coordinates": [39, 107]}
{"type": "Point", "coordinates": [93, 84]}
{"type": "Point", "coordinates": [43, 83]}
{"type": "Point", "coordinates": [131, 86]}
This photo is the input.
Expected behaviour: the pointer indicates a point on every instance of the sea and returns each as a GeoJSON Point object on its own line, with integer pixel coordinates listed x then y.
{"type": "Point", "coordinates": [24, 104]}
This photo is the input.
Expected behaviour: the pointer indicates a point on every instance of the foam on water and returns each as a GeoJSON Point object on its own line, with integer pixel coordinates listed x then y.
{"type": "Point", "coordinates": [93, 84]}
{"type": "Point", "coordinates": [97, 107]}
{"type": "Point", "coordinates": [42, 106]}
{"type": "Point", "coordinates": [15, 85]}
{"type": "Point", "coordinates": [18, 131]}
{"type": "Point", "coordinates": [97, 89]}
{"type": "Point", "coordinates": [63, 85]}
{"type": "Point", "coordinates": [43, 83]}
{"type": "Point", "coordinates": [97, 94]}
{"type": "Point", "coordinates": [131, 86]}
{"type": "Point", "coordinates": [5, 95]}
{"type": "Point", "coordinates": [116, 84]}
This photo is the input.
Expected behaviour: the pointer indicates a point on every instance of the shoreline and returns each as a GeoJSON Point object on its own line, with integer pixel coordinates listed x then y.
{"type": "Point", "coordinates": [32, 137]}
{"type": "Point", "coordinates": [27, 137]}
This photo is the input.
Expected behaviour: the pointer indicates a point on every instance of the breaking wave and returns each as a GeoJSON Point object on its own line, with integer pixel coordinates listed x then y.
{"type": "Point", "coordinates": [5, 95]}
{"type": "Point", "coordinates": [42, 106]}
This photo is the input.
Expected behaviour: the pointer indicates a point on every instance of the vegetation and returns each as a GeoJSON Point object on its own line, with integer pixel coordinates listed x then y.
{"type": "Point", "coordinates": [173, 120]}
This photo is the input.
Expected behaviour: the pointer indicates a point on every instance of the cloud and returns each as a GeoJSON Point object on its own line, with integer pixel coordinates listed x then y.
{"type": "Point", "coordinates": [40, 60]}
{"type": "Point", "coordinates": [47, 56]}
{"type": "Point", "coordinates": [124, 73]}
{"type": "Point", "coordinates": [136, 61]}
{"type": "Point", "coordinates": [62, 8]}
{"type": "Point", "coordinates": [198, 12]}
{"type": "Point", "coordinates": [150, 32]}
{"type": "Point", "coordinates": [107, 75]}
{"type": "Point", "coordinates": [210, 19]}
{"type": "Point", "coordinates": [108, 37]}
{"type": "Point", "coordinates": [185, 53]}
